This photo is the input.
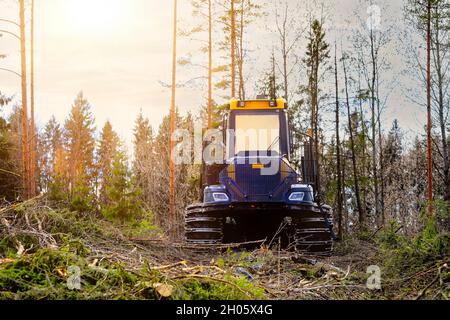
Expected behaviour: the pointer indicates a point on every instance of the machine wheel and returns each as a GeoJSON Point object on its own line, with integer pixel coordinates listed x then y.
{"type": "Point", "coordinates": [203, 227]}
{"type": "Point", "coordinates": [313, 234]}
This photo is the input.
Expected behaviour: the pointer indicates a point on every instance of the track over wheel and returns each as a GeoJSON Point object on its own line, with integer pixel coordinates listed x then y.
{"type": "Point", "coordinates": [312, 234]}
{"type": "Point", "coordinates": [203, 227]}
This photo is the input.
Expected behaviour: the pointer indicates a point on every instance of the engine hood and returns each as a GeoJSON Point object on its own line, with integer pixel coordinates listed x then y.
{"type": "Point", "coordinates": [257, 178]}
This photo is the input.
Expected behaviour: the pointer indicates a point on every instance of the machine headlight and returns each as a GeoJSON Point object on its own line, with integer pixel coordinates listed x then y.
{"type": "Point", "coordinates": [297, 196]}
{"type": "Point", "coordinates": [220, 197]}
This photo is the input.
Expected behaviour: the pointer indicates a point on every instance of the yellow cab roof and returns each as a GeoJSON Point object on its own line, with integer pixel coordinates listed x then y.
{"type": "Point", "coordinates": [279, 103]}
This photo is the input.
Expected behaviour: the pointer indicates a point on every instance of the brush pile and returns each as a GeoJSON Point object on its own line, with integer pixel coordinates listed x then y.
{"type": "Point", "coordinates": [48, 252]}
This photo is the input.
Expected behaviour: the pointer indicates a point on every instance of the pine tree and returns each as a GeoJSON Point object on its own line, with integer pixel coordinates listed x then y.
{"type": "Point", "coordinates": [417, 166]}
{"type": "Point", "coordinates": [184, 174]}
{"type": "Point", "coordinates": [49, 145]}
{"type": "Point", "coordinates": [13, 138]}
{"type": "Point", "coordinates": [143, 164]}
{"type": "Point", "coordinates": [109, 141]}
{"type": "Point", "coordinates": [161, 163]}
{"type": "Point", "coordinates": [9, 177]}
{"type": "Point", "coordinates": [79, 145]}
{"type": "Point", "coordinates": [317, 54]}
{"type": "Point", "coordinates": [58, 189]}
{"type": "Point", "coordinates": [122, 196]}
{"type": "Point", "coordinates": [393, 159]}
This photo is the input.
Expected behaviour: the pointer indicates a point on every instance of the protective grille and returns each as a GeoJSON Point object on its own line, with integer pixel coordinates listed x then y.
{"type": "Point", "coordinates": [246, 184]}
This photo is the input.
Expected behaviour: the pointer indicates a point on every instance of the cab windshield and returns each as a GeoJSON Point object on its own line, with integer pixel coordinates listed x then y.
{"type": "Point", "coordinates": [257, 133]}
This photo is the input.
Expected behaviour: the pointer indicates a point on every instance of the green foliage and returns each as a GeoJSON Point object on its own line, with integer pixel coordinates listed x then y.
{"type": "Point", "coordinates": [318, 50]}
{"type": "Point", "coordinates": [79, 142]}
{"type": "Point", "coordinates": [109, 142]}
{"type": "Point", "coordinates": [143, 227]}
{"type": "Point", "coordinates": [267, 83]}
{"type": "Point", "coordinates": [237, 258]}
{"type": "Point", "coordinates": [42, 272]}
{"type": "Point", "coordinates": [233, 288]}
{"type": "Point", "coordinates": [419, 260]}
{"type": "Point", "coordinates": [442, 215]}
{"type": "Point", "coordinates": [45, 274]}
{"type": "Point", "coordinates": [390, 238]}
{"type": "Point", "coordinates": [400, 252]}
{"type": "Point", "coordinates": [50, 147]}
{"type": "Point", "coordinates": [433, 240]}
{"type": "Point", "coordinates": [56, 190]}
{"type": "Point", "coordinates": [123, 198]}
{"type": "Point", "coordinates": [9, 179]}
{"type": "Point", "coordinates": [143, 169]}
{"type": "Point", "coordinates": [82, 199]}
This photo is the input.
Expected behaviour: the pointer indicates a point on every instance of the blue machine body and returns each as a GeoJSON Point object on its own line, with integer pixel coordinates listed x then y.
{"type": "Point", "coordinates": [259, 176]}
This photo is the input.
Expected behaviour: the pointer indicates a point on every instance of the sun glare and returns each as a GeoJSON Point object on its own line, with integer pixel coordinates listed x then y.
{"type": "Point", "coordinates": [94, 16]}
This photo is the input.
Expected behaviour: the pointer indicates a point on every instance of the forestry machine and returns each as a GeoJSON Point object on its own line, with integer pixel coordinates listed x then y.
{"type": "Point", "coordinates": [254, 192]}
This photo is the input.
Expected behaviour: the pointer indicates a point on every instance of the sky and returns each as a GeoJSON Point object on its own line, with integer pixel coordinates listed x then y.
{"type": "Point", "coordinates": [118, 52]}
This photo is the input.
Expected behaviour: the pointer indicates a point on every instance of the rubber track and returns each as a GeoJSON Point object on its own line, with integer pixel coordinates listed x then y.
{"type": "Point", "coordinates": [310, 231]}
{"type": "Point", "coordinates": [202, 227]}
{"type": "Point", "coordinates": [312, 234]}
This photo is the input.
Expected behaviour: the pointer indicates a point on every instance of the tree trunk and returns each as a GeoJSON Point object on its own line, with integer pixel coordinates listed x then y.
{"type": "Point", "coordinates": [365, 154]}
{"type": "Point", "coordinates": [338, 152]}
{"type": "Point", "coordinates": [25, 149]}
{"type": "Point", "coordinates": [241, 54]}
{"type": "Point", "coordinates": [315, 118]}
{"type": "Point", "coordinates": [381, 160]}
{"type": "Point", "coordinates": [429, 123]}
{"type": "Point", "coordinates": [233, 51]}
{"type": "Point", "coordinates": [32, 124]}
{"type": "Point", "coordinates": [362, 218]}
{"type": "Point", "coordinates": [344, 194]}
{"type": "Point", "coordinates": [374, 143]}
{"type": "Point", "coordinates": [441, 108]}
{"type": "Point", "coordinates": [273, 82]}
{"type": "Point", "coordinates": [285, 57]}
{"type": "Point", "coordinates": [210, 124]}
{"type": "Point", "coordinates": [172, 119]}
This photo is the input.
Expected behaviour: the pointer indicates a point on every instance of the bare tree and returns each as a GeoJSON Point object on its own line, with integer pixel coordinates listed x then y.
{"type": "Point", "coordinates": [290, 33]}
{"type": "Point", "coordinates": [431, 19]}
{"type": "Point", "coordinates": [361, 212]}
{"type": "Point", "coordinates": [338, 150]}
{"type": "Point", "coordinates": [236, 16]}
{"type": "Point", "coordinates": [369, 42]}
{"type": "Point", "coordinates": [203, 9]}
{"type": "Point", "coordinates": [172, 114]}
